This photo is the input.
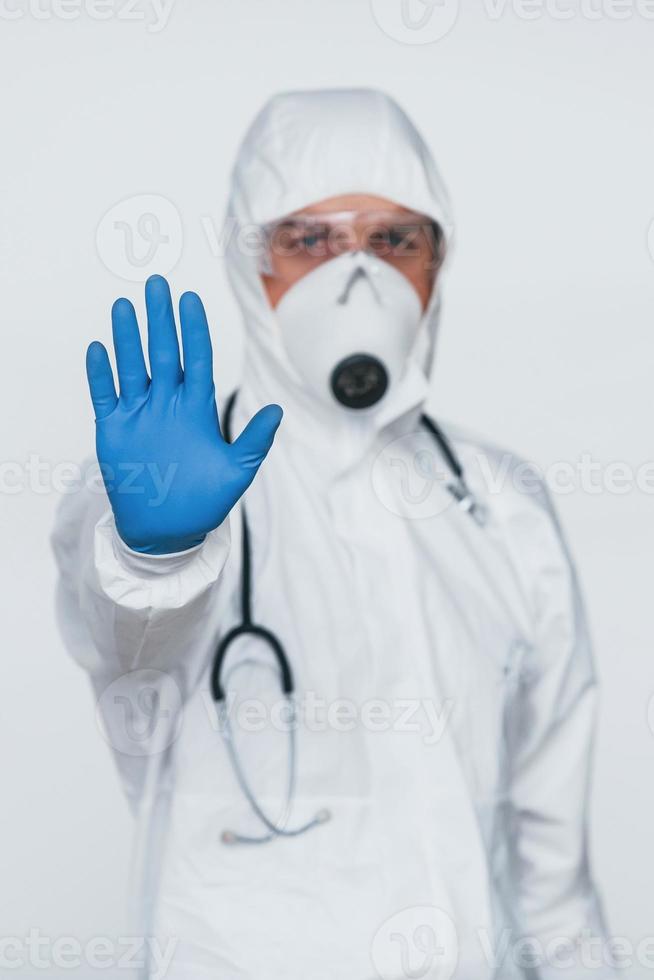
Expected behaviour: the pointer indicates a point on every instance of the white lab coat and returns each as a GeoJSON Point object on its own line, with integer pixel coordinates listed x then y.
{"type": "Point", "coordinates": [460, 652]}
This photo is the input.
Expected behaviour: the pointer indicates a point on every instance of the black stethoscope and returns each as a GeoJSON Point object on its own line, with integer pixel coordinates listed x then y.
{"type": "Point", "coordinates": [465, 499]}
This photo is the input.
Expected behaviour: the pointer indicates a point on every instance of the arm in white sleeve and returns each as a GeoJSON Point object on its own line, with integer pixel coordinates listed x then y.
{"type": "Point", "coordinates": [120, 610]}
{"type": "Point", "coordinates": [551, 738]}
{"type": "Point", "coordinates": [143, 627]}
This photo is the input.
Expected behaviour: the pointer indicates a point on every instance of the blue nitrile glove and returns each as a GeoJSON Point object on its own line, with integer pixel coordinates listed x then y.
{"type": "Point", "coordinates": [170, 476]}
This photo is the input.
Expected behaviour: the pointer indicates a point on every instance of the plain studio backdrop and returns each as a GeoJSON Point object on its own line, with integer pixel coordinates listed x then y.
{"type": "Point", "coordinates": [541, 119]}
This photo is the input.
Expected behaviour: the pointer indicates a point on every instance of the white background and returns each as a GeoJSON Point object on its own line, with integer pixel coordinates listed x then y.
{"type": "Point", "coordinates": [543, 130]}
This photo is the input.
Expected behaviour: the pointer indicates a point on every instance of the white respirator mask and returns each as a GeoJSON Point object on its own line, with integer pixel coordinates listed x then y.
{"type": "Point", "coordinates": [349, 327]}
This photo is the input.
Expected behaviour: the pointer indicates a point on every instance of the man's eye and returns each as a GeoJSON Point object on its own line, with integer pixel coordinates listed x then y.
{"type": "Point", "coordinates": [314, 242]}
{"type": "Point", "coordinates": [397, 238]}
{"type": "Point", "coordinates": [299, 239]}
{"type": "Point", "coordinates": [392, 238]}
{"type": "Point", "coordinates": [311, 239]}
{"type": "Point", "coordinates": [404, 238]}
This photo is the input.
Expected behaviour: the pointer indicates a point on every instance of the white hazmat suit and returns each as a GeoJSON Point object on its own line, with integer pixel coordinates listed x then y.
{"type": "Point", "coordinates": [443, 667]}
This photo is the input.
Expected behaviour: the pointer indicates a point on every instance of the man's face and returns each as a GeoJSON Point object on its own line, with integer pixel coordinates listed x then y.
{"type": "Point", "coordinates": [302, 241]}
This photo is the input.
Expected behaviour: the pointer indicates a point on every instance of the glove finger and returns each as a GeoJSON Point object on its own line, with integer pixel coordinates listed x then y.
{"type": "Point", "coordinates": [101, 380]}
{"type": "Point", "coordinates": [252, 445]}
{"type": "Point", "coordinates": [196, 343]}
{"type": "Point", "coordinates": [132, 375]}
{"type": "Point", "coordinates": [163, 348]}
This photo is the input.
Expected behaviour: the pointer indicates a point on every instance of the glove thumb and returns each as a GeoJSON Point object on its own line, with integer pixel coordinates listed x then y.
{"type": "Point", "coordinates": [251, 447]}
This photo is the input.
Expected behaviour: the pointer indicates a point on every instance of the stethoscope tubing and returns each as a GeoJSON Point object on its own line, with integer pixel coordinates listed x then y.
{"type": "Point", "coordinates": [459, 489]}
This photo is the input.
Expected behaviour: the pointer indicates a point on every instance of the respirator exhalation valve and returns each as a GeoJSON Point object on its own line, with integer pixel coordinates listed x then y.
{"type": "Point", "coordinates": [359, 381]}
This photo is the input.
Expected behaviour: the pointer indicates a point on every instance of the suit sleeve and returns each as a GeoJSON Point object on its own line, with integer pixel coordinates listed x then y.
{"type": "Point", "coordinates": [142, 627]}
{"type": "Point", "coordinates": [559, 915]}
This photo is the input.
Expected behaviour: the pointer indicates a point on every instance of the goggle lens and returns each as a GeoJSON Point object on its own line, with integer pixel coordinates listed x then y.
{"type": "Point", "coordinates": [298, 244]}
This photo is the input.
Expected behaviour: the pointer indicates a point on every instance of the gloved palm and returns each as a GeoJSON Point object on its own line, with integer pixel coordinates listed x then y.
{"type": "Point", "coordinates": [170, 476]}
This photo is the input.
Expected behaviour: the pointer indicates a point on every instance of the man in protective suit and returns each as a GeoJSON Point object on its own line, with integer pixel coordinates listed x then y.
{"type": "Point", "coordinates": [384, 771]}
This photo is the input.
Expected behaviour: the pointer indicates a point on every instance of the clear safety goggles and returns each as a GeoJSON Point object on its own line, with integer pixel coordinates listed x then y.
{"type": "Point", "coordinates": [295, 245]}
